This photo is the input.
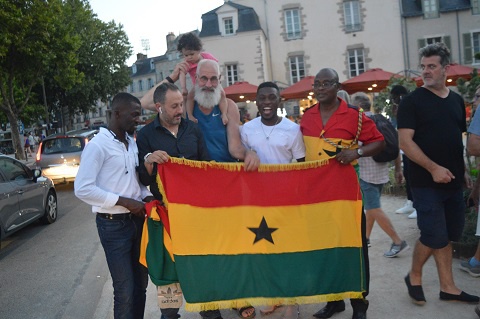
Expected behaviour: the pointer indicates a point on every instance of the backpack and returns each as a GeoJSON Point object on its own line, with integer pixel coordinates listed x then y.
{"type": "Point", "coordinates": [391, 150]}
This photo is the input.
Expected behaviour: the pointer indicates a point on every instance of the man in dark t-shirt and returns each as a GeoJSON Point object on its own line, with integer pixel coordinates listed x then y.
{"type": "Point", "coordinates": [431, 121]}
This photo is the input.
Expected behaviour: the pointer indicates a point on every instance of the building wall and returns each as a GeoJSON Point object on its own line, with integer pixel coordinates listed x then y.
{"type": "Point", "coordinates": [323, 43]}
{"type": "Point", "coordinates": [454, 25]}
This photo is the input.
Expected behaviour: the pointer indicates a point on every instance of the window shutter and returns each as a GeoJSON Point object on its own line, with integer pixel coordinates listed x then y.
{"type": "Point", "coordinates": [446, 40]}
{"type": "Point", "coordinates": [421, 43]}
{"type": "Point", "coordinates": [467, 49]}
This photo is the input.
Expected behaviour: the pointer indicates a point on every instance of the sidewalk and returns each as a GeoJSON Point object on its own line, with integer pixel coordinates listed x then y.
{"type": "Point", "coordinates": [388, 294]}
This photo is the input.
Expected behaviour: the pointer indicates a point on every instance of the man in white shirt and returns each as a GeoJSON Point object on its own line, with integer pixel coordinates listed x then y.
{"type": "Point", "coordinates": [107, 179]}
{"type": "Point", "coordinates": [276, 140]}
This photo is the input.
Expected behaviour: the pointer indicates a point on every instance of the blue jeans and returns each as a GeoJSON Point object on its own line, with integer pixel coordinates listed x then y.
{"type": "Point", "coordinates": [121, 242]}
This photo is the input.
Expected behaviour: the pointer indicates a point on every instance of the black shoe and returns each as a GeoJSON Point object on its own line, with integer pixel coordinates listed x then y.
{"type": "Point", "coordinates": [415, 292]}
{"type": "Point", "coordinates": [359, 315]}
{"type": "Point", "coordinates": [463, 297]}
{"type": "Point", "coordinates": [330, 309]}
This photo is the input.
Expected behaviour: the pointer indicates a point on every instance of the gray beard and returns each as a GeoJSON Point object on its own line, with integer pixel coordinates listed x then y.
{"type": "Point", "coordinates": [207, 99]}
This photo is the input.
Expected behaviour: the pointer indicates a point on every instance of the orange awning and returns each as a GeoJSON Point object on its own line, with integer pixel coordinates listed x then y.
{"type": "Point", "coordinates": [299, 90]}
{"type": "Point", "coordinates": [373, 80]}
{"type": "Point", "coordinates": [454, 72]}
{"type": "Point", "coordinates": [241, 91]}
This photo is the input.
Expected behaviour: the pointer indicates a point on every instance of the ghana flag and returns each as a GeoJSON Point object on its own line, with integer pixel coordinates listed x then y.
{"type": "Point", "coordinates": [285, 234]}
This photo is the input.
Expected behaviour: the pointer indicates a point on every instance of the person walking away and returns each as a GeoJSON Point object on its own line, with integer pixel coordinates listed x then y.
{"type": "Point", "coordinates": [373, 175]}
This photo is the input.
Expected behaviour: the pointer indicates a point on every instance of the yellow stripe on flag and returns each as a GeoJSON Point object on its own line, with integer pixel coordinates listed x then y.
{"type": "Point", "coordinates": [225, 231]}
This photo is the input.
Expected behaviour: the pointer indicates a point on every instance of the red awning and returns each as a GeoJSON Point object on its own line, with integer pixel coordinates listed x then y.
{"type": "Point", "coordinates": [299, 90]}
{"type": "Point", "coordinates": [239, 89]}
{"type": "Point", "coordinates": [373, 80]}
{"type": "Point", "coordinates": [454, 72]}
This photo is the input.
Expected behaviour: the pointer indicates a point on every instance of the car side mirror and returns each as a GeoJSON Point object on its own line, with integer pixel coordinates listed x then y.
{"type": "Point", "coordinates": [36, 174]}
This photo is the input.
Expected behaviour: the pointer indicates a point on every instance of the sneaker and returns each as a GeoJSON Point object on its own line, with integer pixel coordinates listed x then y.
{"type": "Point", "coordinates": [406, 209]}
{"type": "Point", "coordinates": [473, 271]}
{"type": "Point", "coordinates": [413, 215]}
{"type": "Point", "coordinates": [395, 250]}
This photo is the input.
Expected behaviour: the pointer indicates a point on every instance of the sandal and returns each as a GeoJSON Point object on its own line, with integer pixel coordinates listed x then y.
{"type": "Point", "coordinates": [245, 310]}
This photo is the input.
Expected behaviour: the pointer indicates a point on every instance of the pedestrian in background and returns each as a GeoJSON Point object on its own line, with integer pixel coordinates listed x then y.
{"type": "Point", "coordinates": [431, 121]}
{"type": "Point", "coordinates": [373, 175]}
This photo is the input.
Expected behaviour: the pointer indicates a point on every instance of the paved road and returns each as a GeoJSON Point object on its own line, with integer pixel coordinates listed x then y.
{"type": "Point", "coordinates": [54, 271]}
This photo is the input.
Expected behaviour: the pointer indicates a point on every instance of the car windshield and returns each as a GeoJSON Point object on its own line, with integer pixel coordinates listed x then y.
{"type": "Point", "coordinates": [62, 145]}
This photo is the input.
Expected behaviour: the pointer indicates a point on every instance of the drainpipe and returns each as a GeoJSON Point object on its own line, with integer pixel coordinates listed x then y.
{"type": "Point", "coordinates": [458, 40]}
{"type": "Point", "coordinates": [268, 40]}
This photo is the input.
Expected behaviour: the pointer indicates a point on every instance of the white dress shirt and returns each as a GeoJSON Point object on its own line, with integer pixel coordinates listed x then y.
{"type": "Point", "coordinates": [108, 171]}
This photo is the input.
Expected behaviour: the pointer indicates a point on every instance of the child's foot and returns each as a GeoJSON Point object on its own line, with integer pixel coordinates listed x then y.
{"type": "Point", "coordinates": [224, 119]}
{"type": "Point", "coordinates": [192, 118]}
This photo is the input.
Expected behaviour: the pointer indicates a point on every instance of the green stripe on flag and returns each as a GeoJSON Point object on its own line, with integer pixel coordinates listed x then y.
{"type": "Point", "coordinates": [323, 272]}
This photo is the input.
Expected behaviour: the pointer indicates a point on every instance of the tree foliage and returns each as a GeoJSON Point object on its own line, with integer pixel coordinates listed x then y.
{"type": "Point", "coordinates": [382, 100]}
{"type": "Point", "coordinates": [64, 45]}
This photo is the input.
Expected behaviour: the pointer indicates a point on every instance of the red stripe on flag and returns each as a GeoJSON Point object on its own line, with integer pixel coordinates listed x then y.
{"type": "Point", "coordinates": [282, 188]}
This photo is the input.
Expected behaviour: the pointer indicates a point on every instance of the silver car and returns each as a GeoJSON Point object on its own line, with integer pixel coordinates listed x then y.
{"type": "Point", "coordinates": [58, 155]}
{"type": "Point", "coordinates": [25, 196]}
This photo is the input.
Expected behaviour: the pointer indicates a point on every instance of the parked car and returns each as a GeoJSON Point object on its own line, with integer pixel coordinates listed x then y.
{"type": "Point", "coordinates": [58, 155]}
{"type": "Point", "coordinates": [25, 196]}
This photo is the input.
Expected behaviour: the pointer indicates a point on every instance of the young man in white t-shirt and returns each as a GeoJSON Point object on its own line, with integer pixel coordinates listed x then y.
{"type": "Point", "coordinates": [276, 140]}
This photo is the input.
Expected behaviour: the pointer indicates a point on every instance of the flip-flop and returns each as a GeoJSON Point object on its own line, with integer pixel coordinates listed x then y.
{"type": "Point", "coordinates": [240, 312]}
{"type": "Point", "coordinates": [269, 310]}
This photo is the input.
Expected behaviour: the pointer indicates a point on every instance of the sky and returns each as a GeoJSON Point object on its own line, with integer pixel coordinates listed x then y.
{"type": "Point", "coordinates": [153, 20]}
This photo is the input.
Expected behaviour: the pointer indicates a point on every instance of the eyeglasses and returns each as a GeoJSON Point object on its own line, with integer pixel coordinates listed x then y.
{"type": "Point", "coordinates": [324, 85]}
{"type": "Point", "coordinates": [204, 80]}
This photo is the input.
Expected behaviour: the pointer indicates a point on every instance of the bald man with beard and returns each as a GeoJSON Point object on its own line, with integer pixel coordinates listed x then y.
{"type": "Point", "coordinates": [223, 142]}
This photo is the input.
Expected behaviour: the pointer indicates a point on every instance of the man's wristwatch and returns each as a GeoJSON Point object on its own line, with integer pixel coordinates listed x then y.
{"type": "Point", "coordinates": [359, 152]}
{"type": "Point", "coordinates": [145, 158]}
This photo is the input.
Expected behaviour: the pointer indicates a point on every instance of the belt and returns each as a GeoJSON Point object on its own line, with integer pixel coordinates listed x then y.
{"type": "Point", "coordinates": [115, 216]}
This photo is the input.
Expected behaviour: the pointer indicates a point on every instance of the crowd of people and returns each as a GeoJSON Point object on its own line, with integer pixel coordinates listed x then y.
{"type": "Point", "coordinates": [115, 170]}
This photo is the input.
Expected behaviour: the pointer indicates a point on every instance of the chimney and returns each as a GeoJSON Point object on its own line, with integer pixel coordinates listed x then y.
{"type": "Point", "coordinates": [170, 41]}
{"type": "Point", "coordinates": [141, 56]}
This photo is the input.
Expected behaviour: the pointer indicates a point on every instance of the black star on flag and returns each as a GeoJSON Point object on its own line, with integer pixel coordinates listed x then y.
{"type": "Point", "coordinates": [337, 150]}
{"type": "Point", "coordinates": [263, 232]}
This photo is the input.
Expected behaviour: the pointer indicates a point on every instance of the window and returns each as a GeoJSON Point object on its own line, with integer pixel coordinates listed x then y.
{"type": "Point", "coordinates": [430, 9]}
{"type": "Point", "coordinates": [100, 111]}
{"type": "Point", "coordinates": [131, 88]}
{"type": "Point", "coordinates": [297, 68]}
{"type": "Point", "coordinates": [292, 23]}
{"type": "Point", "coordinates": [140, 85]}
{"type": "Point", "coordinates": [476, 6]}
{"type": "Point", "coordinates": [228, 24]}
{"type": "Point", "coordinates": [150, 83]}
{"type": "Point", "coordinates": [134, 68]}
{"type": "Point", "coordinates": [232, 74]}
{"type": "Point", "coordinates": [13, 171]}
{"type": "Point", "coordinates": [356, 62]}
{"type": "Point", "coordinates": [152, 65]}
{"type": "Point", "coordinates": [434, 40]}
{"type": "Point", "coordinates": [476, 45]}
{"type": "Point", "coordinates": [351, 11]}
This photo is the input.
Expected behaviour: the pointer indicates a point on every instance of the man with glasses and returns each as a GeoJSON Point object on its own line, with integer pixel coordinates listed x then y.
{"type": "Point", "coordinates": [431, 121]}
{"type": "Point", "coordinates": [331, 130]}
{"type": "Point", "coordinates": [223, 142]}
